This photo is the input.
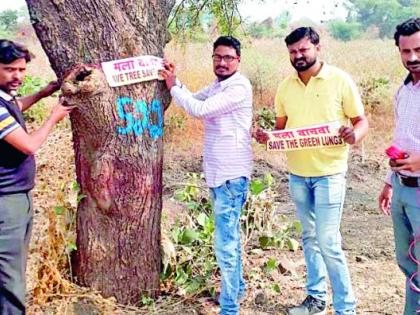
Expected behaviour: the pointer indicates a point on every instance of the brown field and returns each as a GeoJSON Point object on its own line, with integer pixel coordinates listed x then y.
{"type": "Point", "coordinates": [368, 239]}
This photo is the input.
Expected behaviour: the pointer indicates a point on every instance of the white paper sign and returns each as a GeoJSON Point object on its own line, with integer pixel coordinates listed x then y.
{"type": "Point", "coordinates": [132, 70]}
{"type": "Point", "coordinates": [312, 137]}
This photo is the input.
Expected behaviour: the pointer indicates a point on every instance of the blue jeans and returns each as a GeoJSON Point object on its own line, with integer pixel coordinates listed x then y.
{"type": "Point", "coordinates": [15, 231]}
{"type": "Point", "coordinates": [405, 207]}
{"type": "Point", "coordinates": [228, 200]}
{"type": "Point", "coordinates": [319, 203]}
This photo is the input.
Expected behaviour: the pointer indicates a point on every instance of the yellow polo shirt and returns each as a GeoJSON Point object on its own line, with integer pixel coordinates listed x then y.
{"type": "Point", "coordinates": [330, 96]}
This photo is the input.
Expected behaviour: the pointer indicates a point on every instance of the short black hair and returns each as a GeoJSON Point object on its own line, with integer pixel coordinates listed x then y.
{"type": "Point", "coordinates": [406, 28]}
{"type": "Point", "coordinates": [229, 41]}
{"type": "Point", "coordinates": [301, 33]}
{"type": "Point", "coordinates": [11, 51]}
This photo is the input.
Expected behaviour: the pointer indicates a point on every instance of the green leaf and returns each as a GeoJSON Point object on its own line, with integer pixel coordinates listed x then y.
{"type": "Point", "coordinates": [188, 236]}
{"type": "Point", "coordinates": [59, 210]}
{"type": "Point", "coordinates": [266, 241]}
{"type": "Point", "coordinates": [80, 197]}
{"type": "Point", "coordinates": [75, 186]}
{"type": "Point", "coordinates": [212, 291]}
{"type": "Point", "coordinates": [256, 187]}
{"type": "Point", "coordinates": [181, 276]}
{"type": "Point", "coordinates": [71, 247]}
{"type": "Point", "coordinates": [279, 242]}
{"type": "Point", "coordinates": [269, 179]}
{"type": "Point", "coordinates": [175, 234]}
{"type": "Point", "coordinates": [194, 285]}
{"type": "Point", "coordinates": [276, 288]}
{"type": "Point", "coordinates": [292, 244]}
{"type": "Point", "coordinates": [201, 219]}
{"type": "Point", "coordinates": [270, 265]}
{"type": "Point", "coordinates": [179, 195]}
{"type": "Point", "coordinates": [298, 226]}
{"type": "Point", "coordinates": [209, 226]}
{"type": "Point", "coordinates": [145, 300]}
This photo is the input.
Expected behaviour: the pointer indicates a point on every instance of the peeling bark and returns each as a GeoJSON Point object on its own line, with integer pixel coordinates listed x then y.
{"type": "Point", "coordinates": [118, 164]}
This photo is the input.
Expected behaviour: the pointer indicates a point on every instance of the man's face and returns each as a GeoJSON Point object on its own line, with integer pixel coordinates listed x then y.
{"type": "Point", "coordinates": [225, 62]}
{"type": "Point", "coordinates": [303, 54]}
{"type": "Point", "coordinates": [12, 74]}
{"type": "Point", "coordinates": [410, 52]}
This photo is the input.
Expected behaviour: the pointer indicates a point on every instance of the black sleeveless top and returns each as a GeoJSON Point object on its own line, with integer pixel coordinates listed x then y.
{"type": "Point", "coordinates": [17, 170]}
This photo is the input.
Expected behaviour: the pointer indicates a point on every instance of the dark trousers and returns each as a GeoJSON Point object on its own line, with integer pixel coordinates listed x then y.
{"type": "Point", "coordinates": [16, 215]}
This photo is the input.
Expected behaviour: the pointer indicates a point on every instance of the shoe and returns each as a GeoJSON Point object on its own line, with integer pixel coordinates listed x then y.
{"type": "Point", "coordinates": [311, 306]}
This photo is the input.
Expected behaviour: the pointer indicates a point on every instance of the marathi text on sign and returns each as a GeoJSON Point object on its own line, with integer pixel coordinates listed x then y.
{"type": "Point", "coordinates": [132, 70]}
{"type": "Point", "coordinates": [312, 137]}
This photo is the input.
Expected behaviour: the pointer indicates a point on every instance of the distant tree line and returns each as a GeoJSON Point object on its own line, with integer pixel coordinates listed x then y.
{"type": "Point", "coordinates": [189, 22]}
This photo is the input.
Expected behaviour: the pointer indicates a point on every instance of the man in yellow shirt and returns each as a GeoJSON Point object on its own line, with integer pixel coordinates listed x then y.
{"type": "Point", "coordinates": [319, 93]}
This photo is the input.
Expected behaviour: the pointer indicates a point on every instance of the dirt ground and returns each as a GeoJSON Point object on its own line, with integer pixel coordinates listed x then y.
{"type": "Point", "coordinates": [367, 237]}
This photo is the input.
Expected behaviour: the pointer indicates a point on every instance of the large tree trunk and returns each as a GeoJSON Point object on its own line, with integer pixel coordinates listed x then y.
{"type": "Point", "coordinates": [119, 166]}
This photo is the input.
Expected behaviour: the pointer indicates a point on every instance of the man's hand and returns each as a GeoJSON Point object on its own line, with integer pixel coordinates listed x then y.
{"type": "Point", "coordinates": [385, 199]}
{"type": "Point", "coordinates": [50, 89]}
{"type": "Point", "coordinates": [411, 163]}
{"type": "Point", "coordinates": [168, 74]}
{"type": "Point", "coordinates": [356, 132]}
{"type": "Point", "coordinates": [260, 135]}
{"type": "Point", "coordinates": [168, 65]}
{"type": "Point", "coordinates": [348, 135]}
{"type": "Point", "coordinates": [59, 111]}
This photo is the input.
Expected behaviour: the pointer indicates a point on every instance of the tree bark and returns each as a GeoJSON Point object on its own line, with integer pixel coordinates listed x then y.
{"type": "Point", "coordinates": [117, 134]}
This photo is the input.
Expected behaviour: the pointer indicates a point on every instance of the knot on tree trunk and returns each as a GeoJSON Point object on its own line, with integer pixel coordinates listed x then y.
{"type": "Point", "coordinates": [81, 82]}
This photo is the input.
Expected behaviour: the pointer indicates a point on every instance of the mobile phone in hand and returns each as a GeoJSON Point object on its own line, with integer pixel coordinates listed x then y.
{"type": "Point", "coordinates": [395, 154]}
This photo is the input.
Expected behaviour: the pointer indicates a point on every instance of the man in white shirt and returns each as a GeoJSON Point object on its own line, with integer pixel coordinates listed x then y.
{"type": "Point", "coordinates": [226, 108]}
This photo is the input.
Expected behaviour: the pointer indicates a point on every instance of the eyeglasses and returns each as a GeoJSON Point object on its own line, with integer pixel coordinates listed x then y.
{"type": "Point", "coordinates": [226, 58]}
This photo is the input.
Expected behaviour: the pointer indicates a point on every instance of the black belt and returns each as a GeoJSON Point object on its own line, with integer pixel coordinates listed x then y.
{"type": "Point", "coordinates": [408, 181]}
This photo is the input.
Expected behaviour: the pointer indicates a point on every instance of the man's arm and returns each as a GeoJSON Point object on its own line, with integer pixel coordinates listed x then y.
{"type": "Point", "coordinates": [200, 95]}
{"type": "Point", "coordinates": [215, 105]}
{"type": "Point", "coordinates": [30, 143]}
{"type": "Point", "coordinates": [357, 132]}
{"type": "Point", "coordinates": [199, 104]}
{"type": "Point", "coordinates": [26, 102]}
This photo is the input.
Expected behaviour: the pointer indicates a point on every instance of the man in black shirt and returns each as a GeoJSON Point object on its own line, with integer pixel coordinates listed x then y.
{"type": "Point", "coordinates": [17, 172]}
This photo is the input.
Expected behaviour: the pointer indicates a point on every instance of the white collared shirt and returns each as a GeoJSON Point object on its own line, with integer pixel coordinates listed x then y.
{"type": "Point", "coordinates": [226, 108]}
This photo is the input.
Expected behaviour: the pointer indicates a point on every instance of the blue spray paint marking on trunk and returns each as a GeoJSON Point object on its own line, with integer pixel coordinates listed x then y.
{"type": "Point", "coordinates": [156, 131]}
{"type": "Point", "coordinates": [140, 125]}
{"type": "Point", "coordinates": [139, 120]}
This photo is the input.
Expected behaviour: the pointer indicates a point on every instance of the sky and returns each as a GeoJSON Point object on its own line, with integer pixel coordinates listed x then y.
{"type": "Point", "coordinates": [259, 10]}
{"type": "Point", "coordinates": [316, 10]}
{"type": "Point", "coordinates": [14, 5]}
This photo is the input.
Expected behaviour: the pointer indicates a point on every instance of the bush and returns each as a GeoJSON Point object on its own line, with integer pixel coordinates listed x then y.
{"type": "Point", "coordinates": [373, 92]}
{"type": "Point", "coordinates": [30, 86]}
{"type": "Point", "coordinates": [344, 31]}
{"type": "Point", "coordinates": [9, 20]}
{"type": "Point", "coordinates": [189, 264]}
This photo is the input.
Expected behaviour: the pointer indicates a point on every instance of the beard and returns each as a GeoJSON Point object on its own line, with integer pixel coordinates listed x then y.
{"type": "Point", "coordinates": [413, 66]}
{"type": "Point", "coordinates": [304, 66]}
{"type": "Point", "coordinates": [220, 76]}
{"type": "Point", "coordinates": [10, 88]}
